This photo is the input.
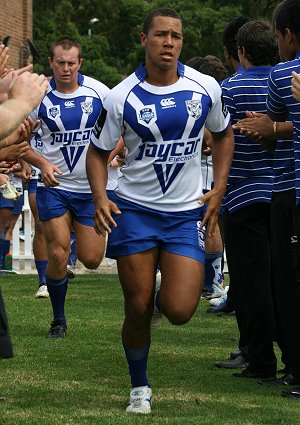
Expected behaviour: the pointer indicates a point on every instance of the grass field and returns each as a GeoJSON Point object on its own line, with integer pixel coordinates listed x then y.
{"type": "Point", "coordinates": [83, 378]}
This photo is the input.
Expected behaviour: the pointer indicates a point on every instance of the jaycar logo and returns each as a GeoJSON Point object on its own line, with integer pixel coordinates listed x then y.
{"type": "Point", "coordinates": [168, 103]}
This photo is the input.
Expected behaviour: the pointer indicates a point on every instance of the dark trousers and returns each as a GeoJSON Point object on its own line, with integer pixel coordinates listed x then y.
{"type": "Point", "coordinates": [248, 252]}
{"type": "Point", "coordinates": [6, 349]}
{"type": "Point", "coordinates": [285, 223]}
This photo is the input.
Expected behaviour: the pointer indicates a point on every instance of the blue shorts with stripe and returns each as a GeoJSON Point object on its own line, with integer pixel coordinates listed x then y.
{"type": "Point", "coordinates": [53, 203]}
{"type": "Point", "coordinates": [140, 228]}
{"type": "Point", "coordinates": [31, 186]}
{"type": "Point", "coordinates": [15, 205]}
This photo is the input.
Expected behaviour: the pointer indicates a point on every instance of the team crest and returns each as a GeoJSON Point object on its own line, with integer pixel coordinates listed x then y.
{"type": "Point", "coordinates": [87, 107]}
{"type": "Point", "coordinates": [53, 112]}
{"type": "Point", "coordinates": [194, 108]}
{"type": "Point", "coordinates": [147, 115]}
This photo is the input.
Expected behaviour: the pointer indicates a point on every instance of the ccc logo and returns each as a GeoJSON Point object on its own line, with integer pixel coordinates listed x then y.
{"type": "Point", "coordinates": [167, 102]}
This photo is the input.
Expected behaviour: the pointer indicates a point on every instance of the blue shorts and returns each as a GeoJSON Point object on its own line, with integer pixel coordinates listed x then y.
{"type": "Point", "coordinates": [31, 186]}
{"type": "Point", "coordinates": [53, 203]}
{"type": "Point", "coordinates": [141, 228]}
{"type": "Point", "coordinates": [15, 205]}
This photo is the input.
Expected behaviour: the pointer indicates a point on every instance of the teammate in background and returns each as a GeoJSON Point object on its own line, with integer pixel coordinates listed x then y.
{"type": "Point", "coordinates": [68, 113]}
{"type": "Point", "coordinates": [10, 211]}
{"type": "Point", "coordinates": [213, 282]}
{"type": "Point", "coordinates": [161, 111]}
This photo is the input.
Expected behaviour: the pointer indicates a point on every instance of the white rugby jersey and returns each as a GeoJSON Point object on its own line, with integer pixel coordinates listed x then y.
{"type": "Point", "coordinates": [67, 120]}
{"type": "Point", "coordinates": [163, 130]}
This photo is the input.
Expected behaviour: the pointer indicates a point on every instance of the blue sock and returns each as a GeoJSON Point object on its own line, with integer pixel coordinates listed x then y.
{"type": "Point", "coordinates": [57, 289]}
{"type": "Point", "coordinates": [73, 255]}
{"type": "Point", "coordinates": [137, 365]}
{"type": "Point", "coordinates": [41, 269]}
{"type": "Point", "coordinates": [213, 269]}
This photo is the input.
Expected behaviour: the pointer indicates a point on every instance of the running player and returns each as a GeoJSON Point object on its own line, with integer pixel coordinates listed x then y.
{"type": "Point", "coordinates": [160, 111]}
{"type": "Point", "coordinates": [68, 113]}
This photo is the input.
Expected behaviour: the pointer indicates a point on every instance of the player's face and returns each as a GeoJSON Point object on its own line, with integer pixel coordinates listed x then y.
{"type": "Point", "coordinates": [163, 44]}
{"type": "Point", "coordinates": [65, 65]}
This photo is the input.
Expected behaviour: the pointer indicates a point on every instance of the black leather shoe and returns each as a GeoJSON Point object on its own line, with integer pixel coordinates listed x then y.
{"type": "Point", "coordinates": [238, 363]}
{"type": "Point", "coordinates": [294, 393]}
{"type": "Point", "coordinates": [287, 379]}
{"type": "Point", "coordinates": [224, 309]}
{"type": "Point", "coordinates": [247, 373]}
{"type": "Point", "coordinates": [235, 353]}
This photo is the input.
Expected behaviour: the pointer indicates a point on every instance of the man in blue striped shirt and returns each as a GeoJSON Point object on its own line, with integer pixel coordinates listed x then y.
{"type": "Point", "coordinates": [286, 223]}
{"type": "Point", "coordinates": [247, 203]}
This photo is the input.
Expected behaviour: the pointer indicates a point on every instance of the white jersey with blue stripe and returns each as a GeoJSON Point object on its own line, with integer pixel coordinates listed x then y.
{"type": "Point", "coordinates": [251, 174]}
{"type": "Point", "coordinates": [281, 101]}
{"type": "Point", "coordinates": [67, 120]}
{"type": "Point", "coordinates": [163, 130]}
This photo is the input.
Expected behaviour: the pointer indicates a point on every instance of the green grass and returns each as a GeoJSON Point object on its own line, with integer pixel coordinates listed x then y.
{"type": "Point", "coordinates": [83, 378]}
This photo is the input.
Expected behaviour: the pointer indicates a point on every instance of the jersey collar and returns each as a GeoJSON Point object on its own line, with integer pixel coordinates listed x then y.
{"type": "Point", "coordinates": [53, 85]}
{"type": "Point", "coordinates": [141, 72]}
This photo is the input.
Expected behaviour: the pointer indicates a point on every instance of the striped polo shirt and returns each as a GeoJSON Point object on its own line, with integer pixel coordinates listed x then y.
{"type": "Point", "coordinates": [251, 175]}
{"type": "Point", "coordinates": [281, 101]}
{"type": "Point", "coordinates": [284, 166]}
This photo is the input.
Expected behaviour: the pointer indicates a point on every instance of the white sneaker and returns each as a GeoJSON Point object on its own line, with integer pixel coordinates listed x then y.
{"type": "Point", "coordinates": [42, 292]}
{"type": "Point", "coordinates": [217, 301]}
{"type": "Point", "coordinates": [8, 191]}
{"type": "Point", "coordinates": [140, 400]}
{"type": "Point", "coordinates": [71, 271]}
{"type": "Point", "coordinates": [218, 290]}
{"type": "Point", "coordinates": [157, 315]}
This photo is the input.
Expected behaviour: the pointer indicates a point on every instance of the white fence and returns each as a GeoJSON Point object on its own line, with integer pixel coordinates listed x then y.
{"type": "Point", "coordinates": [22, 255]}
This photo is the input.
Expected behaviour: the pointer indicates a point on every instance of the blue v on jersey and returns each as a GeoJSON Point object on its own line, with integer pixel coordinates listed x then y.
{"type": "Point", "coordinates": [67, 120]}
{"type": "Point", "coordinates": [163, 130]}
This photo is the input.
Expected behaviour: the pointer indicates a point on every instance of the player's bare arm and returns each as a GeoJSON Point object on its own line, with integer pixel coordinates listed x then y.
{"type": "Point", "coordinates": [222, 151]}
{"type": "Point", "coordinates": [96, 165]}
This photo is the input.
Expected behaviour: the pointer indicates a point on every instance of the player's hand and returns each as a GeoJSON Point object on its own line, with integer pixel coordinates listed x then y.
{"type": "Point", "coordinates": [213, 198]}
{"type": "Point", "coordinates": [103, 216]}
{"type": "Point", "coordinates": [49, 172]}
{"type": "Point", "coordinates": [26, 171]}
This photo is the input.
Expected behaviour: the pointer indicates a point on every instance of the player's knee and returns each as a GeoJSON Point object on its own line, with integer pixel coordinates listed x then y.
{"type": "Point", "coordinates": [92, 262]}
{"type": "Point", "coordinates": [178, 316]}
{"type": "Point", "coordinates": [138, 313]}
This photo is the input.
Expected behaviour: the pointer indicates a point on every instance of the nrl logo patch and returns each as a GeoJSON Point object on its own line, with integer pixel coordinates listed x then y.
{"type": "Point", "coordinates": [194, 108]}
{"type": "Point", "coordinates": [87, 107]}
{"type": "Point", "coordinates": [53, 112]}
{"type": "Point", "coordinates": [147, 115]}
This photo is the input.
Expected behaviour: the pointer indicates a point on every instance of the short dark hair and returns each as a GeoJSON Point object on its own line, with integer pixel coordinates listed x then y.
{"type": "Point", "coordinates": [229, 35]}
{"type": "Point", "coordinates": [209, 65]}
{"type": "Point", "coordinates": [258, 40]}
{"type": "Point", "coordinates": [161, 11]}
{"type": "Point", "coordinates": [66, 43]}
{"type": "Point", "coordinates": [287, 15]}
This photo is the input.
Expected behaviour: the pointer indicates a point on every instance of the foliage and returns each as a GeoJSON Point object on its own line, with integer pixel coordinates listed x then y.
{"type": "Point", "coordinates": [113, 49]}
